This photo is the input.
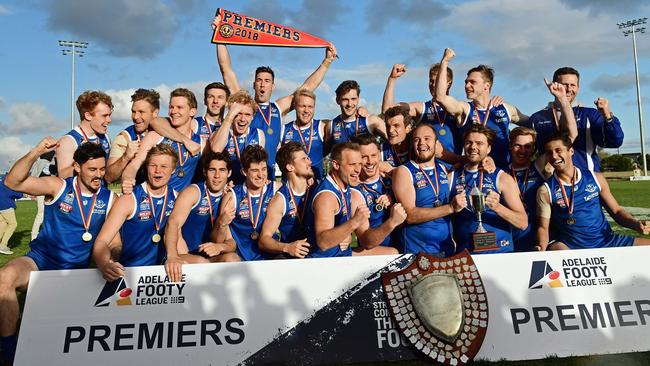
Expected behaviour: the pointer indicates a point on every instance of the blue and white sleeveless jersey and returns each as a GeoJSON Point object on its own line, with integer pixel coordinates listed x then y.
{"type": "Point", "coordinates": [451, 136]}
{"type": "Point", "coordinates": [59, 244]}
{"type": "Point", "coordinates": [370, 192]}
{"type": "Point", "coordinates": [102, 140]}
{"type": "Point", "coordinates": [345, 131]}
{"type": "Point", "coordinates": [206, 128]}
{"type": "Point", "coordinates": [291, 227]}
{"type": "Point", "coordinates": [528, 181]}
{"type": "Point", "coordinates": [138, 248]}
{"type": "Point", "coordinates": [389, 155]}
{"type": "Point", "coordinates": [432, 236]}
{"type": "Point", "coordinates": [198, 225]}
{"type": "Point", "coordinates": [591, 229]}
{"type": "Point", "coordinates": [499, 122]}
{"type": "Point", "coordinates": [465, 223]}
{"type": "Point", "coordinates": [186, 163]}
{"type": "Point", "coordinates": [342, 216]}
{"type": "Point", "coordinates": [241, 226]}
{"type": "Point", "coordinates": [251, 137]}
{"type": "Point", "coordinates": [305, 135]}
{"type": "Point", "coordinates": [272, 134]}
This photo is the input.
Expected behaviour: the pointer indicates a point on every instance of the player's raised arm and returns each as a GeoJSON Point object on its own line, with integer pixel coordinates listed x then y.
{"type": "Point", "coordinates": [19, 180]}
{"type": "Point", "coordinates": [225, 64]}
{"type": "Point", "coordinates": [449, 103]}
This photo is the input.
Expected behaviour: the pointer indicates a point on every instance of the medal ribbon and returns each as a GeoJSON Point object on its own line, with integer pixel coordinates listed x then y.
{"type": "Point", "coordinates": [267, 119]}
{"type": "Point", "coordinates": [441, 122]}
{"type": "Point", "coordinates": [300, 209]}
{"type": "Point", "coordinates": [345, 201]}
{"type": "Point", "coordinates": [557, 123]}
{"type": "Point", "coordinates": [158, 223]}
{"type": "Point", "coordinates": [77, 193]}
{"type": "Point", "coordinates": [207, 195]}
{"type": "Point", "coordinates": [234, 141]}
{"type": "Point", "coordinates": [568, 201]}
{"type": "Point", "coordinates": [311, 137]}
{"type": "Point", "coordinates": [436, 188]}
{"type": "Point", "coordinates": [356, 128]}
{"type": "Point", "coordinates": [487, 113]}
{"type": "Point", "coordinates": [86, 139]}
{"type": "Point", "coordinates": [514, 175]}
{"type": "Point", "coordinates": [180, 155]}
{"type": "Point", "coordinates": [259, 208]}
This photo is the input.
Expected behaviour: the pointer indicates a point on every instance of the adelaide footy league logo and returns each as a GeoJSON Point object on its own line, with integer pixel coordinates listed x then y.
{"type": "Point", "coordinates": [440, 306]}
{"type": "Point", "coordinates": [542, 275]}
{"type": "Point", "coordinates": [117, 291]}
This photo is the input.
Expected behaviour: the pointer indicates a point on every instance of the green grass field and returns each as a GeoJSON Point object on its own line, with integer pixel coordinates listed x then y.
{"type": "Point", "coordinates": [634, 194]}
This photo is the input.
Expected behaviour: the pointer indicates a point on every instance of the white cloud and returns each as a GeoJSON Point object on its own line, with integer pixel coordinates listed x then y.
{"type": "Point", "coordinates": [524, 47]}
{"type": "Point", "coordinates": [4, 10]}
{"type": "Point", "coordinates": [11, 149]}
{"type": "Point", "coordinates": [30, 117]}
{"type": "Point", "coordinates": [2, 102]}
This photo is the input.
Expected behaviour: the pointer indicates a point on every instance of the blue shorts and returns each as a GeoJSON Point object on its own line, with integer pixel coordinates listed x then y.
{"type": "Point", "coordinates": [612, 240]}
{"type": "Point", "coordinates": [46, 264]}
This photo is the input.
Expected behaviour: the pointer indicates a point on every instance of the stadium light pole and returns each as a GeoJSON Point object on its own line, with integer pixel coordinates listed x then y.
{"type": "Point", "coordinates": [633, 30]}
{"type": "Point", "coordinates": [72, 48]}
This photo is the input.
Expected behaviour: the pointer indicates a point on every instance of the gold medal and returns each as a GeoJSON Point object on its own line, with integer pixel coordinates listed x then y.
{"type": "Point", "coordinates": [156, 238]}
{"type": "Point", "coordinates": [571, 220]}
{"type": "Point", "coordinates": [181, 173]}
{"type": "Point", "coordinates": [437, 203]}
{"type": "Point", "coordinates": [255, 235]}
{"type": "Point", "coordinates": [87, 236]}
{"type": "Point", "coordinates": [269, 131]}
{"type": "Point", "coordinates": [379, 207]}
{"type": "Point", "coordinates": [442, 132]}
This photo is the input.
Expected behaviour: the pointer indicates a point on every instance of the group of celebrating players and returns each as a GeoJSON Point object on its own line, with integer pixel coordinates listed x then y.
{"type": "Point", "coordinates": [199, 189]}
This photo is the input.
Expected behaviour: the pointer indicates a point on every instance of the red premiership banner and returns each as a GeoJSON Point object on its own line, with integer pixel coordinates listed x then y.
{"type": "Point", "coordinates": [240, 29]}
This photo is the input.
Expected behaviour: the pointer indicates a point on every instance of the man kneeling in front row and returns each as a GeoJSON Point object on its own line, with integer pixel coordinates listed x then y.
{"type": "Point", "coordinates": [570, 203]}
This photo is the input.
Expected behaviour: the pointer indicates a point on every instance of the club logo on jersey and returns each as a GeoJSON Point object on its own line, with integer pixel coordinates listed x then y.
{"type": "Point", "coordinates": [243, 209]}
{"type": "Point", "coordinates": [591, 188]}
{"type": "Point", "coordinates": [440, 306]}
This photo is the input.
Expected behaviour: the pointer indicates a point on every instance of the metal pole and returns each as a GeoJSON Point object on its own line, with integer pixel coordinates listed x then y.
{"type": "Point", "coordinates": [638, 98]}
{"type": "Point", "coordinates": [72, 96]}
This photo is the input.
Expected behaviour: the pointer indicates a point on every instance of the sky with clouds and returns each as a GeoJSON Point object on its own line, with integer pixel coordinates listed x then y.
{"type": "Point", "coordinates": [164, 44]}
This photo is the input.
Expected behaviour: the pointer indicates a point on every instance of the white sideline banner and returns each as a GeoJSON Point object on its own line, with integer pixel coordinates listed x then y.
{"type": "Point", "coordinates": [328, 310]}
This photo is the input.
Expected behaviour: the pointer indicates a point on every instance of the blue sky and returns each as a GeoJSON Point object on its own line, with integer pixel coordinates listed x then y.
{"type": "Point", "coordinates": [163, 44]}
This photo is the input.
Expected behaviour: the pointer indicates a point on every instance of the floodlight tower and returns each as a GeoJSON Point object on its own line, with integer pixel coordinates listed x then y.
{"type": "Point", "coordinates": [633, 30]}
{"type": "Point", "coordinates": [72, 48]}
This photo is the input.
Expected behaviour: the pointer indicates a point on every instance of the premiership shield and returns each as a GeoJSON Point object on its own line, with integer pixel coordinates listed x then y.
{"type": "Point", "coordinates": [440, 305]}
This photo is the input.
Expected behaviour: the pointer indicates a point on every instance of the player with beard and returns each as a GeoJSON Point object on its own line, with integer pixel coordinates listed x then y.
{"type": "Point", "coordinates": [337, 210]}
{"type": "Point", "coordinates": [215, 96]}
{"type": "Point", "coordinates": [144, 108]}
{"type": "Point", "coordinates": [377, 191]}
{"type": "Point", "coordinates": [529, 176]}
{"type": "Point", "coordinates": [479, 110]}
{"type": "Point", "coordinates": [350, 124]}
{"type": "Point", "coordinates": [570, 206]}
{"type": "Point", "coordinates": [268, 115]}
{"type": "Point", "coordinates": [139, 218]}
{"type": "Point", "coordinates": [503, 207]}
{"type": "Point", "coordinates": [591, 127]}
{"type": "Point", "coordinates": [286, 212]}
{"type": "Point", "coordinates": [75, 209]}
{"type": "Point", "coordinates": [424, 192]}
{"type": "Point", "coordinates": [182, 108]}
{"type": "Point", "coordinates": [310, 132]}
{"type": "Point", "coordinates": [237, 132]}
{"type": "Point", "coordinates": [95, 109]}
{"type": "Point", "coordinates": [244, 208]}
{"type": "Point", "coordinates": [189, 228]}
